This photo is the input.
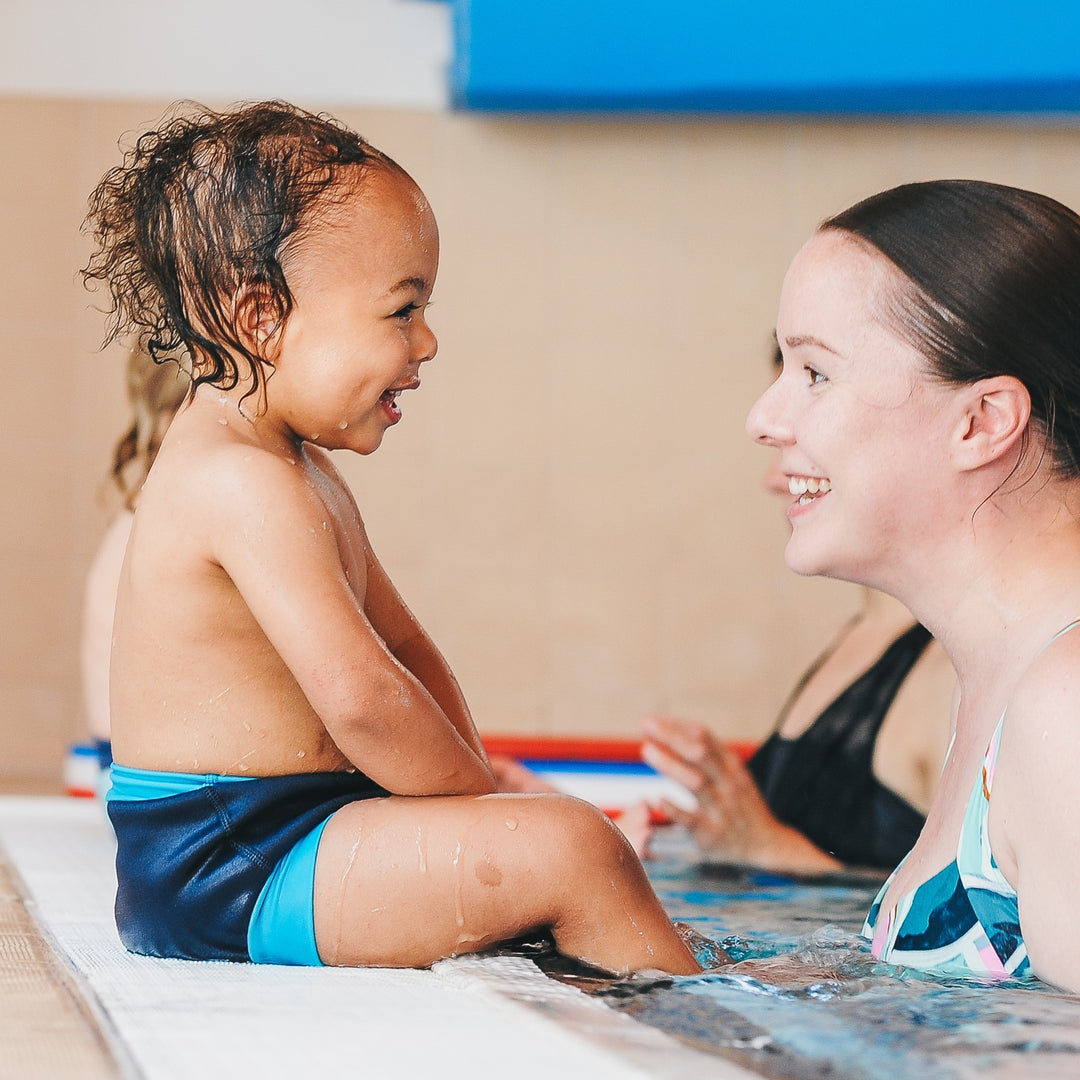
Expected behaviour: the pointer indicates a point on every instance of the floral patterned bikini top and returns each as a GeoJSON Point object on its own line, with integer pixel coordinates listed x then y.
{"type": "Point", "coordinates": [966, 919]}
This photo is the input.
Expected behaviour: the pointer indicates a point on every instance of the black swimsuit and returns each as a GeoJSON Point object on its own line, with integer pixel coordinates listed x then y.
{"type": "Point", "coordinates": [823, 782]}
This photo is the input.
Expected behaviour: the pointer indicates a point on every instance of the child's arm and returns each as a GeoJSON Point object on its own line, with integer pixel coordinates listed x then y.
{"type": "Point", "coordinates": [410, 644]}
{"type": "Point", "coordinates": [303, 576]}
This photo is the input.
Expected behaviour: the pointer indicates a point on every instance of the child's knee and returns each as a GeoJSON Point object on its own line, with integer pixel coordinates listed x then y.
{"type": "Point", "coordinates": [582, 832]}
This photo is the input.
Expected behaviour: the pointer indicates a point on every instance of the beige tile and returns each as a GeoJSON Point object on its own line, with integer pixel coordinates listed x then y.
{"type": "Point", "coordinates": [570, 505]}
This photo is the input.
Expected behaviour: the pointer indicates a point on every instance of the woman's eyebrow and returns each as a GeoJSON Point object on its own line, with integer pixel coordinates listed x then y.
{"type": "Point", "coordinates": [795, 340]}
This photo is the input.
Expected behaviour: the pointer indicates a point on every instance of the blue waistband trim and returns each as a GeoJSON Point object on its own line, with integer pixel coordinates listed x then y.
{"type": "Point", "coordinates": [130, 784]}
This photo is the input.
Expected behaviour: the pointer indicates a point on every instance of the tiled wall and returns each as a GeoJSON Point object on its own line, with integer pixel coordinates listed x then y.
{"type": "Point", "coordinates": [570, 505]}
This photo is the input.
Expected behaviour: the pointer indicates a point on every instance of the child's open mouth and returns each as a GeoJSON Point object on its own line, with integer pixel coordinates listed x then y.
{"type": "Point", "coordinates": [389, 403]}
{"type": "Point", "coordinates": [808, 488]}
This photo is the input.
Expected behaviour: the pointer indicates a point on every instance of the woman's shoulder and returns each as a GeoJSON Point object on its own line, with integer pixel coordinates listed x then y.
{"type": "Point", "coordinates": [1046, 700]}
{"type": "Point", "coordinates": [1040, 735]}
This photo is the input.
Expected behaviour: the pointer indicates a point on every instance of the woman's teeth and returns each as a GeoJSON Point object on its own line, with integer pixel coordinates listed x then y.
{"type": "Point", "coordinates": [807, 487]}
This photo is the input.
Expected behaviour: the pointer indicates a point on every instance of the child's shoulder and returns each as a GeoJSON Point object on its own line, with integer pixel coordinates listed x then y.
{"type": "Point", "coordinates": [222, 464]}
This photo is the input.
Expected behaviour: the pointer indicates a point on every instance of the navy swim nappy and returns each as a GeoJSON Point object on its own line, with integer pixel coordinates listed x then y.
{"type": "Point", "coordinates": [191, 867]}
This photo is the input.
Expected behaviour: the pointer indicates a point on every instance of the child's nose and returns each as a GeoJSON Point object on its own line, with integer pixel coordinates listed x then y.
{"type": "Point", "coordinates": [427, 344]}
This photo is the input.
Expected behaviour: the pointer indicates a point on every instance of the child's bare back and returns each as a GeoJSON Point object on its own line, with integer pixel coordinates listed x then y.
{"type": "Point", "coordinates": [298, 778]}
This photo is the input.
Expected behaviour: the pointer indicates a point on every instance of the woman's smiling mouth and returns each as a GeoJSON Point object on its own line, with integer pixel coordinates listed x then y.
{"type": "Point", "coordinates": [808, 488]}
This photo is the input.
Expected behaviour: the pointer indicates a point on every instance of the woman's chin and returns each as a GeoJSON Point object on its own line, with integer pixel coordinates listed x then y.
{"type": "Point", "coordinates": [806, 563]}
{"type": "Point", "coordinates": [799, 561]}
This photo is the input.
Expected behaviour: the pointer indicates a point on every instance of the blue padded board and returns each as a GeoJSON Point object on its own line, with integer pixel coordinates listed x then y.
{"type": "Point", "coordinates": [767, 56]}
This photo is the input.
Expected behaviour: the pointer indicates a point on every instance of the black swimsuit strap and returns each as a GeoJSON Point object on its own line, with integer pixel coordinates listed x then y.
{"type": "Point", "coordinates": [822, 782]}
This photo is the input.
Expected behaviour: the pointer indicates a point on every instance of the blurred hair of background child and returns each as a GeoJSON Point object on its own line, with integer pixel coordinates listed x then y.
{"type": "Point", "coordinates": [155, 391]}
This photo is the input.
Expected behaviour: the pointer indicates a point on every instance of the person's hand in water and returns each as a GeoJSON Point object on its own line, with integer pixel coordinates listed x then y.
{"type": "Point", "coordinates": [514, 777]}
{"type": "Point", "coordinates": [636, 824]}
{"type": "Point", "coordinates": [732, 822]}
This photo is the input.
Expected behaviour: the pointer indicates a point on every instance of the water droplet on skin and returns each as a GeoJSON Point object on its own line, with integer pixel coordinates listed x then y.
{"type": "Point", "coordinates": [243, 766]}
{"type": "Point", "coordinates": [488, 873]}
{"type": "Point", "coordinates": [466, 944]}
{"type": "Point", "coordinates": [301, 753]}
{"type": "Point", "coordinates": [223, 421]}
{"type": "Point", "coordinates": [511, 824]}
{"type": "Point", "coordinates": [459, 900]}
{"type": "Point", "coordinates": [343, 425]}
{"type": "Point", "coordinates": [421, 849]}
{"type": "Point", "coordinates": [349, 865]}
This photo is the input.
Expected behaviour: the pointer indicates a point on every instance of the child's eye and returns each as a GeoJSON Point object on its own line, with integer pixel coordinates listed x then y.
{"type": "Point", "coordinates": [407, 311]}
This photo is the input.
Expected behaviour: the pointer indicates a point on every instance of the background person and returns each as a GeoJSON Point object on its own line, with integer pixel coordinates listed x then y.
{"type": "Point", "coordinates": [154, 392]}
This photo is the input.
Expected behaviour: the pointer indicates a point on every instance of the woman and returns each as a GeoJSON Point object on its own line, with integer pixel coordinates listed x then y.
{"type": "Point", "coordinates": [931, 341]}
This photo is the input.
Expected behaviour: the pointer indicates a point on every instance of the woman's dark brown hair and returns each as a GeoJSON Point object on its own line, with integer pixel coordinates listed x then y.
{"type": "Point", "coordinates": [992, 288]}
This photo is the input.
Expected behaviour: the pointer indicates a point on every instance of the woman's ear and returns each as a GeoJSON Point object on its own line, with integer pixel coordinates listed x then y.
{"type": "Point", "coordinates": [994, 417]}
{"type": "Point", "coordinates": [257, 319]}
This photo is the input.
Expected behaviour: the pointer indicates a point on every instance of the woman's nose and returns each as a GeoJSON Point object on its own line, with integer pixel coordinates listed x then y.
{"type": "Point", "coordinates": [767, 420]}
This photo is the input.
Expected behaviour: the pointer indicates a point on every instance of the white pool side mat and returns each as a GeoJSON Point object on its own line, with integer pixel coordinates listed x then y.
{"type": "Point", "coordinates": [165, 1019]}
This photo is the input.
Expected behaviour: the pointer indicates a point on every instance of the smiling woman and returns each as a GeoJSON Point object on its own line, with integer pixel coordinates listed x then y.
{"type": "Point", "coordinates": [843, 411]}
{"type": "Point", "coordinates": [932, 375]}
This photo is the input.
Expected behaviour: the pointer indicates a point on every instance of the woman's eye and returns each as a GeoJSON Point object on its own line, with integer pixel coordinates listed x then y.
{"type": "Point", "coordinates": [816, 378]}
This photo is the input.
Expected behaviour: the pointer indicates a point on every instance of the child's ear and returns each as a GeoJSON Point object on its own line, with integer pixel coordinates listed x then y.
{"type": "Point", "coordinates": [994, 416]}
{"type": "Point", "coordinates": [257, 319]}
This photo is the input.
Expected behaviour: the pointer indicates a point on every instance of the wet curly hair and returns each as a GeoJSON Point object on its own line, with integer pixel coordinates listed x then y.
{"type": "Point", "coordinates": [199, 215]}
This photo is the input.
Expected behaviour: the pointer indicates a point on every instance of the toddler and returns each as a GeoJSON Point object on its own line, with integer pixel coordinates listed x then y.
{"type": "Point", "coordinates": [296, 777]}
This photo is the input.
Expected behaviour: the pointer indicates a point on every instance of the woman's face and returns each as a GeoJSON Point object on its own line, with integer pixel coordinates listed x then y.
{"type": "Point", "coordinates": [859, 426]}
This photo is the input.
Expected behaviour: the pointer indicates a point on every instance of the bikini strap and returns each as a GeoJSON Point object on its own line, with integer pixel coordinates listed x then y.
{"type": "Point", "coordinates": [990, 757]}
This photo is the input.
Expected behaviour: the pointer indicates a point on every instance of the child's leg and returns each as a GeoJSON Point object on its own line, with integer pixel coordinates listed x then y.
{"type": "Point", "coordinates": [403, 882]}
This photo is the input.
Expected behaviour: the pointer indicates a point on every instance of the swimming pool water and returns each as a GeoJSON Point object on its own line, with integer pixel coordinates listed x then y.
{"type": "Point", "coordinates": [809, 1000]}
